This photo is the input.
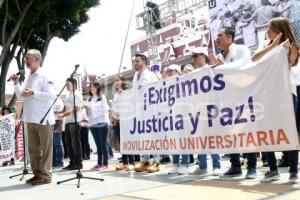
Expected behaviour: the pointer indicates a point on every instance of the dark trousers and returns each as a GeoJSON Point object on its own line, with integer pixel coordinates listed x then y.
{"type": "Point", "coordinates": [128, 159]}
{"type": "Point", "coordinates": [58, 150]}
{"type": "Point", "coordinates": [64, 145]}
{"type": "Point", "coordinates": [100, 134]}
{"type": "Point", "coordinates": [236, 163]}
{"type": "Point", "coordinates": [73, 143]}
{"type": "Point", "coordinates": [292, 156]}
{"type": "Point", "coordinates": [293, 161]}
{"type": "Point", "coordinates": [264, 156]}
{"type": "Point", "coordinates": [86, 150]}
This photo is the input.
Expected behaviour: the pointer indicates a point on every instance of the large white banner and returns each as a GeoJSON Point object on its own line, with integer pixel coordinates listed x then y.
{"type": "Point", "coordinates": [234, 108]}
{"type": "Point", "coordinates": [7, 134]}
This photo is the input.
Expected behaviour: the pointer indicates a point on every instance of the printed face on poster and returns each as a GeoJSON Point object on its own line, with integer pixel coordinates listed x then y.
{"type": "Point", "coordinates": [250, 18]}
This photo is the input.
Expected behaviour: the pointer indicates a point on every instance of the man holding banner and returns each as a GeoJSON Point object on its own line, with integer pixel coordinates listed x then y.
{"type": "Point", "coordinates": [231, 52]}
{"type": "Point", "coordinates": [142, 77]}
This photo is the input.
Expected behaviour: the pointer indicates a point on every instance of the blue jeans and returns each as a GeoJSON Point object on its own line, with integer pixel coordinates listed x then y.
{"type": "Point", "coordinates": [156, 158]}
{"type": "Point", "coordinates": [185, 159]}
{"type": "Point", "coordinates": [202, 158]}
{"type": "Point", "coordinates": [100, 136]}
{"type": "Point", "coordinates": [58, 150]}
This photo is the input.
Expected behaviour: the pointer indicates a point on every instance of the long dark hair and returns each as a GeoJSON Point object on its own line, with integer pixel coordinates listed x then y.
{"type": "Point", "coordinates": [282, 25]}
{"type": "Point", "coordinates": [98, 86]}
{"type": "Point", "coordinates": [124, 85]}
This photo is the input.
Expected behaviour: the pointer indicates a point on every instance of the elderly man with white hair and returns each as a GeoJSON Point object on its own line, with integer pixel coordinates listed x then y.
{"type": "Point", "coordinates": [38, 94]}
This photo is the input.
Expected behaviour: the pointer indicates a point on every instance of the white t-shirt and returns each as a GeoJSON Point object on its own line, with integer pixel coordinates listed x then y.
{"type": "Point", "coordinates": [236, 52]}
{"type": "Point", "coordinates": [146, 77]}
{"type": "Point", "coordinates": [116, 105]}
{"type": "Point", "coordinates": [58, 106]}
{"type": "Point", "coordinates": [98, 111]}
{"type": "Point", "coordinates": [69, 104]}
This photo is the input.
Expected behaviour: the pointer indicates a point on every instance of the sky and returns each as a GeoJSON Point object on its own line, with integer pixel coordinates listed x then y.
{"type": "Point", "coordinates": [97, 47]}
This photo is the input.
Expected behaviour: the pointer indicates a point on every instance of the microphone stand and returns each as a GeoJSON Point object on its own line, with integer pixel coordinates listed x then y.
{"type": "Point", "coordinates": [25, 170]}
{"type": "Point", "coordinates": [79, 175]}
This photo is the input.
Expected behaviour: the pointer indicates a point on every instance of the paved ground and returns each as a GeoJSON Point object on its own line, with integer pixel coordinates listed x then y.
{"type": "Point", "coordinates": [158, 186]}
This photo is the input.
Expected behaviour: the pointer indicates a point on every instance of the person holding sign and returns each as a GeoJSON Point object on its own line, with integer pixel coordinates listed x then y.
{"type": "Point", "coordinates": [183, 167]}
{"type": "Point", "coordinates": [231, 52]}
{"type": "Point", "coordinates": [142, 76]}
{"type": "Point", "coordinates": [280, 31]}
{"type": "Point", "coordinates": [38, 94]}
{"type": "Point", "coordinates": [200, 61]}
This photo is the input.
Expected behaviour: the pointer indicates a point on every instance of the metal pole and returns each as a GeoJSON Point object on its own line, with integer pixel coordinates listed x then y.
{"type": "Point", "coordinates": [125, 42]}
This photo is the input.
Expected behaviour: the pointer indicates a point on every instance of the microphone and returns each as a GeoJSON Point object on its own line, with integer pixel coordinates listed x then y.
{"type": "Point", "coordinates": [21, 72]}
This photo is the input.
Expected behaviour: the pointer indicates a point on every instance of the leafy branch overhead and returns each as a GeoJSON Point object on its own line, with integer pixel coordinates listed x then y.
{"type": "Point", "coordinates": [34, 23]}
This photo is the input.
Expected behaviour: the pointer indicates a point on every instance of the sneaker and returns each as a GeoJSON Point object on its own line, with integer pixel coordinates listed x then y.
{"type": "Point", "coordinates": [182, 170]}
{"type": "Point", "coordinates": [153, 168]}
{"type": "Point", "coordinates": [233, 172]}
{"type": "Point", "coordinates": [67, 167]}
{"type": "Point", "coordinates": [142, 167]}
{"type": "Point", "coordinates": [270, 176]}
{"type": "Point", "coordinates": [216, 172]}
{"type": "Point", "coordinates": [130, 168]}
{"type": "Point", "coordinates": [173, 170]}
{"type": "Point", "coordinates": [199, 171]}
{"type": "Point", "coordinates": [251, 173]}
{"type": "Point", "coordinates": [121, 167]}
{"type": "Point", "coordinates": [293, 178]}
{"type": "Point", "coordinates": [96, 168]}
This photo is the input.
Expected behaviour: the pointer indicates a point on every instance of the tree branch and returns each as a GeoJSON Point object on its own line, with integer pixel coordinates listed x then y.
{"type": "Point", "coordinates": [18, 6]}
{"type": "Point", "coordinates": [14, 31]}
{"type": "Point", "coordinates": [4, 24]}
{"type": "Point", "coordinates": [1, 2]}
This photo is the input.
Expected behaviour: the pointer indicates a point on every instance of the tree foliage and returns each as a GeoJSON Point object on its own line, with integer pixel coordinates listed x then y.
{"type": "Point", "coordinates": [40, 21]}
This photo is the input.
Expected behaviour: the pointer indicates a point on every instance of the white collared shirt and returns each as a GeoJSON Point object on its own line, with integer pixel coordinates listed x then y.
{"type": "Point", "coordinates": [236, 52]}
{"type": "Point", "coordinates": [116, 105]}
{"type": "Point", "coordinates": [98, 111]}
{"type": "Point", "coordinates": [69, 104]}
{"type": "Point", "coordinates": [295, 78]}
{"type": "Point", "coordinates": [36, 106]}
{"type": "Point", "coordinates": [146, 77]}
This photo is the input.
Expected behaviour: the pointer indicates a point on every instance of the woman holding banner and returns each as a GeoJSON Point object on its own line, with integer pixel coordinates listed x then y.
{"type": "Point", "coordinates": [280, 31]}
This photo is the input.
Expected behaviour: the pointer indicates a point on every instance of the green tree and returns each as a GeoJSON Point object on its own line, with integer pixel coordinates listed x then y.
{"type": "Point", "coordinates": [45, 20]}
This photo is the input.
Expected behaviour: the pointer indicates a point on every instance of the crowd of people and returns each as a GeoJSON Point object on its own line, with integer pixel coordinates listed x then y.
{"type": "Point", "coordinates": [73, 118]}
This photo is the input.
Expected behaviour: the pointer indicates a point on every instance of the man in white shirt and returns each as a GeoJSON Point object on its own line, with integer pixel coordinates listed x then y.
{"type": "Point", "coordinates": [231, 52]}
{"type": "Point", "coordinates": [142, 76]}
{"type": "Point", "coordinates": [72, 128]}
{"type": "Point", "coordinates": [38, 94]}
